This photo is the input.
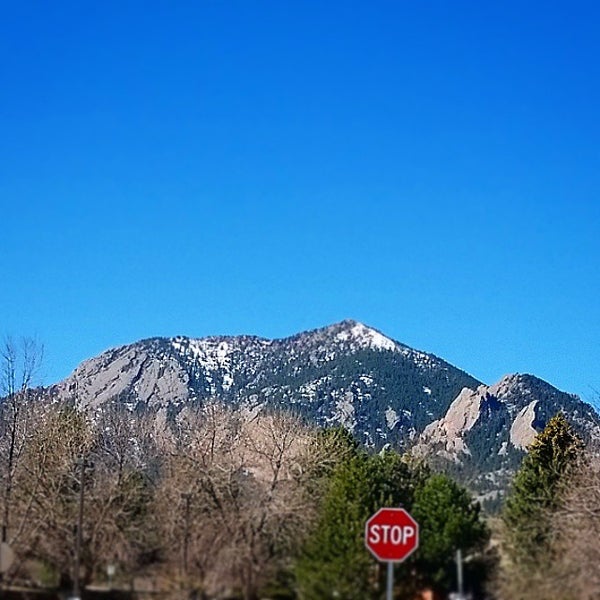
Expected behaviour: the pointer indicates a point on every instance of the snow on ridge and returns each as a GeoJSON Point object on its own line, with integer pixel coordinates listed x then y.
{"type": "Point", "coordinates": [213, 355]}
{"type": "Point", "coordinates": [367, 337]}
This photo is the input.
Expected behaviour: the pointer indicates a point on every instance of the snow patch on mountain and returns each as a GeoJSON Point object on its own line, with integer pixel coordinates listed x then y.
{"type": "Point", "coordinates": [211, 354]}
{"type": "Point", "coordinates": [366, 337]}
{"type": "Point", "coordinates": [391, 417]}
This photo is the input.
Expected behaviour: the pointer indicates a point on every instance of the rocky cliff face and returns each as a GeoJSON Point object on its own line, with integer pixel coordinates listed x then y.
{"type": "Point", "coordinates": [448, 433]}
{"type": "Point", "coordinates": [485, 432]}
{"type": "Point", "coordinates": [346, 374]}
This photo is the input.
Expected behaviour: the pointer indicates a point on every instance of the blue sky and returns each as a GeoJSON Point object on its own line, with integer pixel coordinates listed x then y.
{"type": "Point", "coordinates": [430, 169]}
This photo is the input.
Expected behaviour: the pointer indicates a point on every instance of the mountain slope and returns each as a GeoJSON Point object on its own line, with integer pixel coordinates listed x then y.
{"type": "Point", "coordinates": [345, 374]}
{"type": "Point", "coordinates": [485, 432]}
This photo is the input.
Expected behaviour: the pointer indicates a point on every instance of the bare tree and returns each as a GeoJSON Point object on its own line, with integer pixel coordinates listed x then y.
{"type": "Point", "coordinates": [218, 501]}
{"type": "Point", "coordinates": [120, 492]}
{"type": "Point", "coordinates": [232, 501]}
{"type": "Point", "coordinates": [48, 489]}
{"type": "Point", "coordinates": [198, 483]}
{"type": "Point", "coordinates": [576, 539]}
{"type": "Point", "coordinates": [21, 361]}
{"type": "Point", "coordinates": [567, 568]}
{"type": "Point", "coordinates": [277, 512]}
{"type": "Point", "coordinates": [74, 465]}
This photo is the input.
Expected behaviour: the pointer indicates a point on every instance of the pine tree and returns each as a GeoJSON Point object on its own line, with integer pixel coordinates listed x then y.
{"type": "Point", "coordinates": [536, 491]}
{"type": "Point", "coordinates": [335, 562]}
{"type": "Point", "coordinates": [449, 520]}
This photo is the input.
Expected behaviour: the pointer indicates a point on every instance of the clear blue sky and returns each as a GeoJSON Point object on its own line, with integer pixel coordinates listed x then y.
{"type": "Point", "coordinates": [431, 169]}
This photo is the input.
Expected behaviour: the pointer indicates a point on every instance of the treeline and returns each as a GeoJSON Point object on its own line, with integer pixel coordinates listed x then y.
{"type": "Point", "coordinates": [217, 501]}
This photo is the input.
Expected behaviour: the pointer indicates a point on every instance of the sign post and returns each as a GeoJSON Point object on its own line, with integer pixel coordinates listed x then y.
{"type": "Point", "coordinates": [391, 535]}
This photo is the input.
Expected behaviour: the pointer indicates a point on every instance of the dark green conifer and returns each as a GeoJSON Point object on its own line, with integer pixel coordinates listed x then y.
{"type": "Point", "coordinates": [536, 491]}
{"type": "Point", "coordinates": [335, 562]}
{"type": "Point", "coordinates": [449, 520]}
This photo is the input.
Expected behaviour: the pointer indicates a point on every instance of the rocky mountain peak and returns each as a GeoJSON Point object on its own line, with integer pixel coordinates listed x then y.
{"type": "Point", "coordinates": [525, 401]}
{"type": "Point", "coordinates": [363, 336]}
{"type": "Point", "coordinates": [514, 383]}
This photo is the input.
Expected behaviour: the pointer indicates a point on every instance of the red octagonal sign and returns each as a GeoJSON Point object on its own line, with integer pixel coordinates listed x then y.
{"type": "Point", "coordinates": [391, 534]}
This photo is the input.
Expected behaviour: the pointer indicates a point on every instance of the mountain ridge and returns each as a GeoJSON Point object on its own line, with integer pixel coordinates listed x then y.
{"type": "Point", "coordinates": [348, 374]}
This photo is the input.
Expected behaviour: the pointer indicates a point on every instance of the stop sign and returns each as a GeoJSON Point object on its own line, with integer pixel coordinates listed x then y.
{"type": "Point", "coordinates": [391, 534]}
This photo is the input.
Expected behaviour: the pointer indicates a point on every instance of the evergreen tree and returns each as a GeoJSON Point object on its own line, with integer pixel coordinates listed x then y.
{"type": "Point", "coordinates": [536, 490]}
{"type": "Point", "coordinates": [335, 562]}
{"type": "Point", "coordinates": [448, 520]}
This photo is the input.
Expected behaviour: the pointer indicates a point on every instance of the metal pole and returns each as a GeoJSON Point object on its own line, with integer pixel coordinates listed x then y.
{"type": "Point", "coordinates": [390, 581]}
{"type": "Point", "coordinates": [459, 572]}
{"type": "Point", "coordinates": [186, 532]}
{"type": "Point", "coordinates": [4, 540]}
{"type": "Point", "coordinates": [79, 531]}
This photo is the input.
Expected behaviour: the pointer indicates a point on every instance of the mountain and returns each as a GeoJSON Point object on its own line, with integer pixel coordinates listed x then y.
{"type": "Point", "coordinates": [346, 374]}
{"type": "Point", "coordinates": [485, 432]}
